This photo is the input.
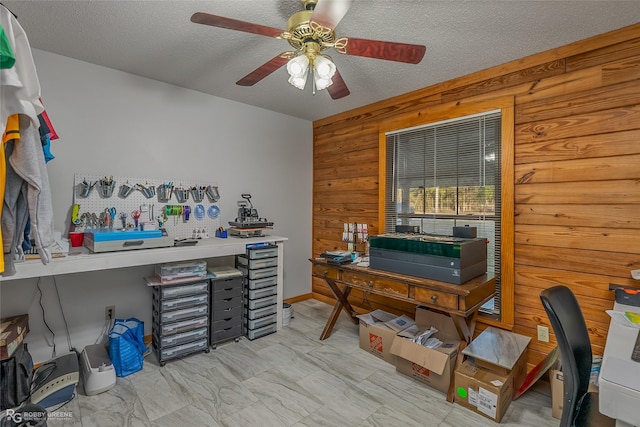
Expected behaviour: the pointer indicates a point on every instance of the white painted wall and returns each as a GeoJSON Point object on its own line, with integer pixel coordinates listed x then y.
{"type": "Point", "coordinates": [114, 123]}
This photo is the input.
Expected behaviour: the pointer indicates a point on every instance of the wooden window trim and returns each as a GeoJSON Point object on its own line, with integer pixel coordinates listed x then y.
{"type": "Point", "coordinates": [451, 111]}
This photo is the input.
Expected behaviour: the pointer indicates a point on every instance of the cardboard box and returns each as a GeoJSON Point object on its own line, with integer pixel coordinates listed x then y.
{"type": "Point", "coordinates": [486, 392]}
{"type": "Point", "coordinates": [12, 333]}
{"type": "Point", "coordinates": [376, 336]}
{"type": "Point", "coordinates": [433, 367]}
{"type": "Point", "coordinates": [483, 351]}
{"type": "Point", "coordinates": [556, 379]}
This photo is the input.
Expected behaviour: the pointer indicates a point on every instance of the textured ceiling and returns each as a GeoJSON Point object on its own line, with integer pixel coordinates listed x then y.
{"type": "Point", "coordinates": [156, 39]}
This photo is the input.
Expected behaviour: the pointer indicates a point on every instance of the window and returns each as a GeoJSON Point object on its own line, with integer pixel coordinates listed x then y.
{"type": "Point", "coordinates": [451, 172]}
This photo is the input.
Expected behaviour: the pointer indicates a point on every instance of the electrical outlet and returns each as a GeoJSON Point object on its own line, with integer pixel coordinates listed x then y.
{"type": "Point", "coordinates": [110, 312]}
{"type": "Point", "coordinates": [543, 333]}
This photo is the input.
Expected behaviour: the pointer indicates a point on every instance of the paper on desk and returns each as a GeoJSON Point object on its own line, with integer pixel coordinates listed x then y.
{"type": "Point", "coordinates": [623, 319]}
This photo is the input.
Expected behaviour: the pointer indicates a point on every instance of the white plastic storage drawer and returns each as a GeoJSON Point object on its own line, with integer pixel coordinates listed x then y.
{"type": "Point", "coordinates": [262, 293]}
{"type": "Point", "coordinates": [184, 302]}
{"type": "Point", "coordinates": [185, 325]}
{"type": "Point", "coordinates": [182, 290]}
{"type": "Point", "coordinates": [262, 283]}
{"type": "Point", "coordinates": [184, 337]}
{"type": "Point", "coordinates": [184, 349]}
{"type": "Point", "coordinates": [182, 269]}
{"type": "Point", "coordinates": [257, 263]}
{"type": "Point", "coordinates": [174, 316]}
{"type": "Point", "coordinates": [260, 332]}
{"type": "Point", "coordinates": [259, 274]}
{"type": "Point", "coordinates": [262, 302]}
{"type": "Point", "coordinates": [268, 252]}
{"type": "Point", "coordinates": [261, 312]}
{"type": "Point", "coordinates": [263, 321]}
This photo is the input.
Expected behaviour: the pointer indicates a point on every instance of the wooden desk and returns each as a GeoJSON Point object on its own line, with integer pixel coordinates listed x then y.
{"type": "Point", "coordinates": [461, 302]}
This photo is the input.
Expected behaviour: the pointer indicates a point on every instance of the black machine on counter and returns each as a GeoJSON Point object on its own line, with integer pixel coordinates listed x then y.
{"type": "Point", "coordinates": [248, 223]}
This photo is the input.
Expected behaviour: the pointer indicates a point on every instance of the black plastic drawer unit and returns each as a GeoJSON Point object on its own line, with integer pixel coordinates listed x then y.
{"type": "Point", "coordinates": [226, 309]}
{"type": "Point", "coordinates": [259, 267]}
{"type": "Point", "coordinates": [181, 324]}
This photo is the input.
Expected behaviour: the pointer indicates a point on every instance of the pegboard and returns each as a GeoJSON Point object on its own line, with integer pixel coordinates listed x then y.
{"type": "Point", "coordinates": [204, 216]}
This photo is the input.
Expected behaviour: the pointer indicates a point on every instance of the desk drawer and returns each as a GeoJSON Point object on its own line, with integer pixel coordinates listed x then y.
{"type": "Point", "coordinates": [325, 271]}
{"type": "Point", "coordinates": [384, 285]}
{"type": "Point", "coordinates": [440, 299]}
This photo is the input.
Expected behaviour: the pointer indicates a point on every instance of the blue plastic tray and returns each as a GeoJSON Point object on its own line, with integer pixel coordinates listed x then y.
{"type": "Point", "coordinates": [113, 235]}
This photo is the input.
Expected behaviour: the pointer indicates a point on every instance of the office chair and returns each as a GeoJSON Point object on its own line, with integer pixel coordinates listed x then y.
{"type": "Point", "coordinates": [580, 407]}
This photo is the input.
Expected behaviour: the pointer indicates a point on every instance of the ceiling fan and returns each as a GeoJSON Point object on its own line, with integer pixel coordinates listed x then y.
{"type": "Point", "coordinates": [310, 32]}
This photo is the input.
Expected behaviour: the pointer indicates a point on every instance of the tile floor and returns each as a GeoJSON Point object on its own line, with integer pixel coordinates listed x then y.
{"type": "Point", "coordinates": [286, 379]}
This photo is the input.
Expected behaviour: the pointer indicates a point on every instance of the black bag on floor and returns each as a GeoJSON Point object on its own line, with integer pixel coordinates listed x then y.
{"type": "Point", "coordinates": [16, 373]}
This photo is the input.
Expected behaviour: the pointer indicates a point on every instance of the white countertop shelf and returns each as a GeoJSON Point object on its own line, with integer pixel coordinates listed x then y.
{"type": "Point", "coordinates": [81, 260]}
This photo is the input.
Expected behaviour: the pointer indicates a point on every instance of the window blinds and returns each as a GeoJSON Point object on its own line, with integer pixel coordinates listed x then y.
{"type": "Point", "coordinates": [447, 174]}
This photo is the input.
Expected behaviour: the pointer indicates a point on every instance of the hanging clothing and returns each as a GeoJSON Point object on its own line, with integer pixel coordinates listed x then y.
{"type": "Point", "coordinates": [26, 194]}
{"type": "Point", "coordinates": [7, 59]}
{"type": "Point", "coordinates": [12, 131]}
{"type": "Point", "coordinates": [20, 86]}
{"type": "Point", "coordinates": [27, 197]}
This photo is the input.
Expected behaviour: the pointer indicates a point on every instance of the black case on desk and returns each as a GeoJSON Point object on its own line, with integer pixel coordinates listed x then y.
{"type": "Point", "coordinates": [259, 267]}
{"type": "Point", "coordinates": [180, 319]}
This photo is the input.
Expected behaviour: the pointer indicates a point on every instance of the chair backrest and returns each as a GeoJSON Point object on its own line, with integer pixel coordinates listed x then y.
{"type": "Point", "coordinates": [572, 335]}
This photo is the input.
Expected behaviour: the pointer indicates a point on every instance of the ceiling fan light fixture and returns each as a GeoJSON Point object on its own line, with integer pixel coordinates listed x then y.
{"type": "Point", "coordinates": [322, 82]}
{"type": "Point", "coordinates": [324, 67]}
{"type": "Point", "coordinates": [299, 81]}
{"type": "Point", "coordinates": [298, 66]}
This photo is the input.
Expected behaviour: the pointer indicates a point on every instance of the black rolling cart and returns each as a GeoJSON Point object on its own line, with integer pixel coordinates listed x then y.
{"type": "Point", "coordinates": [180, 318]}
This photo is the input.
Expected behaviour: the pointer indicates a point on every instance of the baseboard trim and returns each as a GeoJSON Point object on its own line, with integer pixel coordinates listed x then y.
{"type": "Point", "coordinates": [299, 298]}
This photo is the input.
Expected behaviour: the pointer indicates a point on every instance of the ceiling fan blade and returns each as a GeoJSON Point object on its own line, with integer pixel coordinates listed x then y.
{"type": "Point", "coordinates": [265, 69]}
{"type": "Point", "coordinates": [234, 24]}
{"type": "Point", "coordinates": [339, 88]}
{"type": "Point", "coordinates": [391, 51]}
{"type": "Point", "coordinates": [329, 13]}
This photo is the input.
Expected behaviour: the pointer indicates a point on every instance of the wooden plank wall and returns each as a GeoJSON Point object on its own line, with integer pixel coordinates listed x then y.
{"type": "Point", "coordinates": [577, 174]}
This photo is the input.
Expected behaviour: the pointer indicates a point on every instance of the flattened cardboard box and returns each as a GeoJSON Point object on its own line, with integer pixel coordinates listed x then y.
{"type": "Point", "coordinates": [556, 379]}
{"type": "Point", "coordinates": [12, 333]}
{"type": "Point", "coordinates": [433, 367]}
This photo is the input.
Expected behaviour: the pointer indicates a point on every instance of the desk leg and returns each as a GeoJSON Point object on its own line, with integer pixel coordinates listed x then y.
{"type": "Point", "coordinates": [465, 326]}
{"type": "Point", "coordinates": [342, 303]}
